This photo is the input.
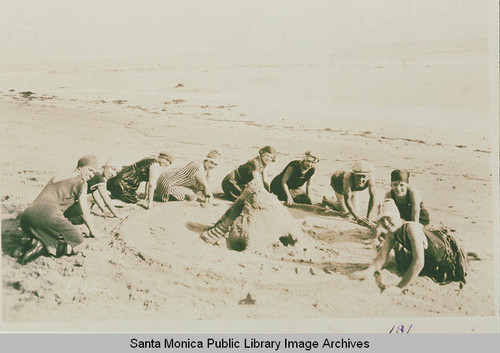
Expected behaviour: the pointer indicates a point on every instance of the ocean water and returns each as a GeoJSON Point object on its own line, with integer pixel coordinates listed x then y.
{"type": "Point", "coordinates": [435, 85]}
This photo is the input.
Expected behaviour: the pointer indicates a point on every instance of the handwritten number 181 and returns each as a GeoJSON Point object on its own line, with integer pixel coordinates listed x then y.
{"type": "Point", "coordinates": [400, 329]}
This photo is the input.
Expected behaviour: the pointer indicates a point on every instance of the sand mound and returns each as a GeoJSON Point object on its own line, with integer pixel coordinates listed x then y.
{"type": "Point", "coordinates": [257, 221]}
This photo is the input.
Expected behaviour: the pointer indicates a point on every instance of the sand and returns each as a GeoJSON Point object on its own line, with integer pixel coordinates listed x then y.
{"type": "Point", "coordinates": [152, 266]}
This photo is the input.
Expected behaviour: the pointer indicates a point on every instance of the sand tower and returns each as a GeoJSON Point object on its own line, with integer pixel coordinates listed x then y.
{"type": "Point", "coordinates": [256, 220]}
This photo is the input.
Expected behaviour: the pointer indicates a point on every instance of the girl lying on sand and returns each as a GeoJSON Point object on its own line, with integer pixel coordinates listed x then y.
{"type": "Point", "coordinates": [44, 221]}
{"type": "Point", "coordinates": [234, 183]}
{"type": "Point", "coordinates": [417, 251]}
{"type": "Point", "coordinates": [125, 184]}
{"type": "Point", "coordinates": [287, 185]}
{"type": "Point", "coordinates": [407, 199]}
{"type": "Point", "coordinates": [185, 183]}
{"type": "Point", "coordinates": [346, 186]}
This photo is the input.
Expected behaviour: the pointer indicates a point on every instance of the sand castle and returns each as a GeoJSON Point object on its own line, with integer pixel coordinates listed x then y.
{"type": "Point", "coordinates": [256, 220]}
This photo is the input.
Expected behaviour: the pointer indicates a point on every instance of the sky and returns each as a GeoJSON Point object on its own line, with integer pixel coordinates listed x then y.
{"type": "Point", "coordinates": [65, 30]}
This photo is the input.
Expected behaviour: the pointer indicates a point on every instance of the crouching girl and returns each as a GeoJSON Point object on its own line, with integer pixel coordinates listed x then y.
{"type": "Point", "coordinates": [44, 220]}
{"type": "Point", "coordinates": [418, 251]}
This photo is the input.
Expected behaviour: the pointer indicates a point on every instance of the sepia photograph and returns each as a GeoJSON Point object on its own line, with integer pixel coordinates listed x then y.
{"type": "Point", "coordinates": [249, 166]}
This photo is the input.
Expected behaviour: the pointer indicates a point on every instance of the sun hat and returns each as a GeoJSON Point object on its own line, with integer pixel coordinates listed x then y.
{"type": "Point", "coordinates": [362, 167]}
{"type": "Point", "coordinates": [388, 208]}
{"type": "Point", "coordinates": [87, 161]}
{"type": "Point", "coordinates": [213, 156]}
{"type": "Point", "coordinates": [400, 175]}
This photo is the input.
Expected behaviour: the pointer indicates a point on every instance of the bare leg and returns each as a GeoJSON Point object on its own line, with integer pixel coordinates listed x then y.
{"type": "Point", "coordinates": [116, 202]}
{"type": "Point", "coordinates": [181, 193]}
{"type": "Point", "coordinates": [343, 207]}
{"type": "Point", "coordinates": [221, 228]}
{"type": "Point", "coordinates": [338, 205]}
{"type": "Point", "coordinates": [330, 203]}
{"type": "Point", "coordinates": [355, 201]}
{"type": "Point", "coordinates": [190, 197]}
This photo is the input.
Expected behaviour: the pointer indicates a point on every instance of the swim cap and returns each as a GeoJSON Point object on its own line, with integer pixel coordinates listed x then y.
{"type": "Point", "coordinates": [87, 161]}
{"type": "Point", "coordinates": [310, 156]}
{"type": "Point", "coordinates": [213, 156]}
{"type": "Point", "coordinates": [362, 167]}
{"type": "Point", "coordinates": [388, 208]}
{"type": "Point", "coordinates": [400, 175]}
{"type": "Point", "coordinates": [267, 149]}
{"type": "Point", "coordinates": [166, 156]}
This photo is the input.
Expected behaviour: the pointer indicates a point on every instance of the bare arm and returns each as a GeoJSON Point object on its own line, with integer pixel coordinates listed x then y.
{"type": "Point", "coordinates": [347, 196]}
{"type": "Point", "coordinates": [379, 261]}
{"type": "Point", "coordinates": [202, 179]}
{"type": "Point", "coordinates": [87, 218]}
{"type": "Point", "coordinates": [416, 236]}
{"type": "Point", "coordinates": [284, 185]}
{"type": "Point", "coordinates": [99, 201]}
{"type": "Point", "coordinates": [381, 258]}
{"type": "Point", "coordinates": [415, 200]}
{"type": "Point", "coordinates": [103, 193]}
{"type": "Point", "coordinates": [154, 172]}
{"type": "Point", "coordinates": [371, 191]}
{"type": "Point", "coordinates": [265, 180]}
{"type": "Point", "coordinates": [258, 175]}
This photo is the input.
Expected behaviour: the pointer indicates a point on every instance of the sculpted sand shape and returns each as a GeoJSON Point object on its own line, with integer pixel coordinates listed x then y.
{"type": "Point", "coordinates": [256, 221]}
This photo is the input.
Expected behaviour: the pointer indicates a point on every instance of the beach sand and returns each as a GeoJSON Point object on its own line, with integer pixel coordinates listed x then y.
{"type": "Point", "coordinates": [428, 113]}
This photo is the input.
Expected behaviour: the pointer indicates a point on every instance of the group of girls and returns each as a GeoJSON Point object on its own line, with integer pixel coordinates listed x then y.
{"type": "Point", "coordinates": [401, 218]}
{"type": "Point", "coordinates": [50, 220]}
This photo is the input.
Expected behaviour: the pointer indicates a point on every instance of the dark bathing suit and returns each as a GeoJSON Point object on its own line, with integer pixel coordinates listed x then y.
{"type": "Point", "coordinates": [296, 180]}
{"type": "Point", "coordinates": [234, 183]}
{"type": "Point", "coordinates": [445, 260]}
{"type": "Point", "coordinates": [405, 209]}
{"type": "Point", "coordinates": [337, 182]}
{"type": "Point", "coordinates": [125, 184]}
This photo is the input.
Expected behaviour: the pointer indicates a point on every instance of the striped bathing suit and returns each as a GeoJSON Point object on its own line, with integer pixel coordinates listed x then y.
{"type": "Point", "coordinates": [180, 183]}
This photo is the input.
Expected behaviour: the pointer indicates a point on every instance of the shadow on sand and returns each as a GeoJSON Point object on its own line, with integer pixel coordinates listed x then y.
{"type": "Point", "coordinates": [14, 241]}
{"type": "Point", "coordinates": [197, 227]}
{"type": "Point", "coordinates": [344, 268]}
